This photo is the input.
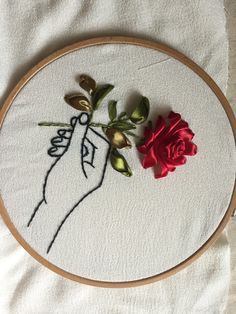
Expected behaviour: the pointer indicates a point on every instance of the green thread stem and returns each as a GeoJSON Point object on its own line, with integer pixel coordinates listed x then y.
{"type": "Point", "coordinates": [132, 134]}
{"type": "Point", "coordinates": [91, 116]}
{"type": "Point", "coordinates": [99, 125]}
{"type": "Point", "coordinates": [60, 124]}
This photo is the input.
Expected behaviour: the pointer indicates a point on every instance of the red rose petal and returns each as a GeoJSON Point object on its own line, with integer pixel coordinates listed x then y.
{"type": "Point", "coordinates": [160, 125]}
{"type": "Point", "coordinates": [185, 134]}
{"type": "Point", "coordinates": [149, 136]}
{"type": "Point", "coordinates": [179, 161]}
{"type": "Point", "coordinates": [172, 169]}
{"type": "Point", "coordinates": [190, 148]}
{"type": "Point", "coordinates": [165, 147]}
{"type": "Point", "coordinates": [174, 116]}
{"type": "Point", "coordinates": [148, 133]}
{"type": "Point", "coordinates": [168, 165]}
{"type": "Point", "coordinates": [168, 150]}
{"type": "Point", "coordinates": [180, 128]}
{"type": "Point", "coordinates": [161, 171]}
{"type": "Point", "coordinates": [174, 119]}
{"type": "Point", "coordinates": [150, 159]}
{"type": "Point", "coordinates": [142, 149]}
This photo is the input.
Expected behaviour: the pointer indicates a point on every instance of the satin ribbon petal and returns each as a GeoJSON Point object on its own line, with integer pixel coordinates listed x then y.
{"type": "Point", "coordinates": [165, 147]}
{"type": "Point", "coordinates": [174, 116]}
{"type": "Point", "coordinates": [142, 149]}
{"type": "Point", "coordinates": [175, 128]}
{"type": "Point", "coordinates": [190, 149]}
{"type": "Point", "coordinates": [149, 136]}
{"type": "Point", "coordinates": [161, 170]}
{"type": "Point", "coordinates": [174, 119]}
{"type": "Point", "coordinates": [160, 126]}
{"type": "Point", "coordinates": [179, 161]}
{"type": "Point", "coordinates": [150, 159]}
{"type": "Point", "coordinates": [185, 134]}
{"type": "Point", "coordinates": [179, 127]}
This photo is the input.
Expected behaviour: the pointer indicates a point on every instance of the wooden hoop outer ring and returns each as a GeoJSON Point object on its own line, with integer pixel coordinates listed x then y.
{"type": "Point", "coordinates": [147, 44]}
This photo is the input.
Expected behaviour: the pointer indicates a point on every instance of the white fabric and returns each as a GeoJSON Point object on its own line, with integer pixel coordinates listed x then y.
{"type": "Point", "coordinates": [175, 212]}
{"type": "Point", "coordinates": [199, 31]}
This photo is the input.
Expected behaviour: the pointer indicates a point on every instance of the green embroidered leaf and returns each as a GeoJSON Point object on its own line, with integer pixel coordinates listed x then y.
{"type": "Point", "coordinates": [99, 94]}
{"type": "Point", "coordinates": [123, 114]}
{"type": "Point", "coordinates": [131, 133]}
{"type": "Point", "coordinates": [104, 129]}
{"type": "Point", "coordinates": [87, 83]}
{"type": "Point", "coordinates": [123, 125]}
{"type": "Point", "coordinates": [112, 110]}
{"type": "Point", "coordinates": [141, 112]}
{"type": "Point", "coordinates": [119, 163]}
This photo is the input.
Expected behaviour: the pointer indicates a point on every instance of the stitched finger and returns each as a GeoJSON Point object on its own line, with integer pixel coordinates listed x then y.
{"type": "Point", "coordinates": [56, 151]}
{"type": "Point", "coordinates": [64, 133]}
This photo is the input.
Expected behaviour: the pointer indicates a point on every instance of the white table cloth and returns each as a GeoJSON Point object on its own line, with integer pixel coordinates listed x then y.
{"type": "Point", "coordinates": [198, 30]}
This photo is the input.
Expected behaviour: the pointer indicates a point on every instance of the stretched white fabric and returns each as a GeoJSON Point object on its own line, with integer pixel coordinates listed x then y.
{"type": "Point", "coordinates": [30, 31]}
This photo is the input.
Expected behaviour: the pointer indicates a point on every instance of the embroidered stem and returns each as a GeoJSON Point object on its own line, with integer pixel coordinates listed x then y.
{"type": "Point", "coordinates": [60, 124]}
{"type": "Point", "coordinates": [91, 116]}
{"type": "Point", "coordinates": [99, 125]}
{"type": "Point", "coordinates": [132, 134]}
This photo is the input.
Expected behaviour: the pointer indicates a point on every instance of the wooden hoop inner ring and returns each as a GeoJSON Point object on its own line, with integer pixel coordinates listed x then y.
{"type": "Point", "coordinates": [147, 44]}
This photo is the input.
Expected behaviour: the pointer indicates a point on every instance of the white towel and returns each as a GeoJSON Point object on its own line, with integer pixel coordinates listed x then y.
{"type": "Point", "coordinates": [32, 30]}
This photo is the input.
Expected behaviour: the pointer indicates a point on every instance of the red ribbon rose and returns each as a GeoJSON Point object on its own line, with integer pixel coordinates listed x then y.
{"type": "Point", "coordinates": [165, 147]}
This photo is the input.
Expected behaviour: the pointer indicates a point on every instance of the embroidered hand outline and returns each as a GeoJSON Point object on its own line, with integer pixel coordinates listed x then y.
{"type": "Point", "coordinates": [79, 150]}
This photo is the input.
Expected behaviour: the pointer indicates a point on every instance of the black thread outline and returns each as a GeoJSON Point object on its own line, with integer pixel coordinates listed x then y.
{"type": "Point", "coordinates": [73, 208]}
{"type": "Point", "coordinates": [81, 152]}
{"type": "Point", "coordinates": [86, 152]}
{"type": "Point", "coordinates": [98, 134]}
{"type": "Point", "coordinates": [82, 145]}
{"type": "Point", "coordinates": [45, 182]}
{"type": "Point", "coordinates": [73, 124]}
{"type": "Point", "coordinates": [57, 140]}
{"type": "Point", "coordinates": [94, 147]}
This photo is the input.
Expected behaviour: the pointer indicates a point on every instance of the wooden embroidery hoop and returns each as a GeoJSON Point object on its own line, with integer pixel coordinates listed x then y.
{"type": "Point", "coordinates": [147, 44]}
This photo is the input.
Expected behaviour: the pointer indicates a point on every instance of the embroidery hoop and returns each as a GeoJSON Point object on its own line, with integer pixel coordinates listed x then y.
{"type": "Point", "coordinates": [179, 57]}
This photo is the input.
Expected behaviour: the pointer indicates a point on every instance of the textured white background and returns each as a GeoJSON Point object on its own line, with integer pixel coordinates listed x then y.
{"type": "Point", "coordinates": [130, 228]}
{"type": "Point", "coordinates": [230, 10]}
{"type": "Point", "coordinates": [196, 28]}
